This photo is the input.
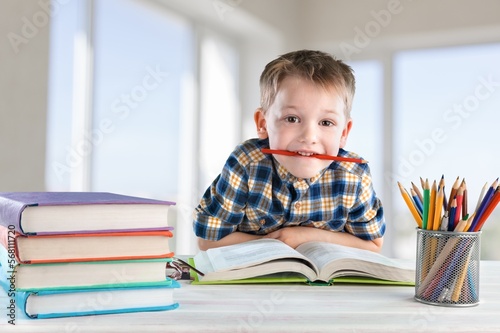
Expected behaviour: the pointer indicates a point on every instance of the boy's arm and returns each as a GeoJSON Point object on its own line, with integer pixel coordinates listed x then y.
{"type": "Point", "coordinates": [294, 236]}
{"type": "Point", "coordinates": [233, 238]}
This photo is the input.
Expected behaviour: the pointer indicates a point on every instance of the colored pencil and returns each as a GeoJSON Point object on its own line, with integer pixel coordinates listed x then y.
{"type": "Point", "coordinates": [417, 201]}
{"type": "Point", "coordinates": [425, 204]}
{"type": "Point", "coordinates": [409, 203]}
{"type": "Point", "coordinates": [452, 212]}
{"type": "Point", "coordinates": [417, 191]}
{"type": "Point", "coordinates": [453, 192]}
{"type": "Point", "coordinates": [465, 209]}
{"type": "Point", "coordinates": [484, 204]}
{"type": "Point", "coordinates": [432, 206]}
{"type": "Point", "coordinates": [431, 211]}
{"type": "Point", "coordinates": [438, 208]}
{"type": "Point", "coordinates": [487, 211]}
{"type": "Point", "coordinates": [445, 202]}
{"type": "Point", "coordinates": [319, 156]}
{"type": "Point", "coordinates": [459, 197]}
{"type": "Point", "coordinates": [481, 195]}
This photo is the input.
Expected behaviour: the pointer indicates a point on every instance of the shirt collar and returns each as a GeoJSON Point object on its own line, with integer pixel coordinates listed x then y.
{"type": "Point", "coordinates": [286, 176]}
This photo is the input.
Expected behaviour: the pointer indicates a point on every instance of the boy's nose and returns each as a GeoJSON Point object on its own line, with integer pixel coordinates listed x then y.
{"type": "Point", "coordinates": [308, 134]}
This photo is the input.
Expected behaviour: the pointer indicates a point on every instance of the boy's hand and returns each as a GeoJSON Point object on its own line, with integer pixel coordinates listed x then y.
{"type": "Point", "coordinates": [294, 236]}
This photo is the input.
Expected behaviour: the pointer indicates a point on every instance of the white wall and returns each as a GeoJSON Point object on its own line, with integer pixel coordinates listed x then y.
{"type": "Point", "coordinates": [23, 94]}
{"type": "Point", "coordinates": [324, 24]}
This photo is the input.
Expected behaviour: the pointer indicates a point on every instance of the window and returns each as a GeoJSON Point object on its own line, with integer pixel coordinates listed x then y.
{"type": "Point", "coordinates": [366, 137]}
{"type": "Point", "coordinates": [446, 116]}
{"type": "Point", "coordinates": [219, 107]}
{"type": "Point", "coordinates": [142, 57]}
{"type": "Point", "coordinates": [124, 101]}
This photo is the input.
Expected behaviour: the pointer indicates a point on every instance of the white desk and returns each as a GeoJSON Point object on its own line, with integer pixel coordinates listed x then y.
{"type": "Point", "coordinates": [292, 308]}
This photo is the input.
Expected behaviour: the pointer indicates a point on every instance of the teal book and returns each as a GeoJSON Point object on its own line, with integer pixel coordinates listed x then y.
{"type": "Point", "coordinates": [315, 263]}
{"type": "Point", "coordinates": [41, 304]}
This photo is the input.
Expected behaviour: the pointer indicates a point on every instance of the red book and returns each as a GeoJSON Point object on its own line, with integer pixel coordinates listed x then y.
{"type": "Point", "coordinates": [36, 249]}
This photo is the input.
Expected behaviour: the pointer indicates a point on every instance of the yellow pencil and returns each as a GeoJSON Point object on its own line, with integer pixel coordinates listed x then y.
{"type": "Point", "coordinates": [438, 208]}
{"type": "Point", "coordinates": [461, 278]}
{"type": "Point", "coordinates": [469, 222]}
{"type": "Point", "coordinates": [410, 205]}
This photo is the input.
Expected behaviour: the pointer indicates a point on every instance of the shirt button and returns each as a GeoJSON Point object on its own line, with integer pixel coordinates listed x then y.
{"type": "Point", "coordinates": [262, 222]}
{"type": "Point", "coordinates": [297, 205]}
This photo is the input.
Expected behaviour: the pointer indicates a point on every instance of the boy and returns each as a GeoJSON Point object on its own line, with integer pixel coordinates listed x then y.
{"type": "Point", "coordinates": [306, 98]}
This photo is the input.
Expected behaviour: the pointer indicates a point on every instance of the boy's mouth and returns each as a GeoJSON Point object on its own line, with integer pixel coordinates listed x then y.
{"type": "Point", "coordinates": [306, 154]}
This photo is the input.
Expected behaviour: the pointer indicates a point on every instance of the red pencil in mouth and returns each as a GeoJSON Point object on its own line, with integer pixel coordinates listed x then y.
{"type": "Point", "coordinates": [319, 156]}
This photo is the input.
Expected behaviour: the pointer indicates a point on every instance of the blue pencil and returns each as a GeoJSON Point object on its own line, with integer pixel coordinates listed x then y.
{"type": "Point", "coordinates": [484, 203]}
{"type": "Point", "coordinates": [451, 217]}
{"type": "Point", "coordinates": [417, 202]}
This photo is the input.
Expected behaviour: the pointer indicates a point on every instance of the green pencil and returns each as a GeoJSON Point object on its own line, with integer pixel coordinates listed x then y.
{"type": "Point", "coordinates": [425, 204]}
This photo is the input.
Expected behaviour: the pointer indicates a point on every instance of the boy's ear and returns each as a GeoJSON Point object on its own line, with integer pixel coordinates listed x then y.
{"type": "Point", "coordinates": [345, 133]}
{"type": "Point", "coordinates": [260, 123]}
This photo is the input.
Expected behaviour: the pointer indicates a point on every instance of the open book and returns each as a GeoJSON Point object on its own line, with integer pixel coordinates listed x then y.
{"type": "Point", "coordinates": [270, 260]}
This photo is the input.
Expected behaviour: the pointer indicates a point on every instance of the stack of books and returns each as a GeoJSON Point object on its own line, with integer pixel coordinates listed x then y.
{"type": "Point", "coordinates": [84, 253]}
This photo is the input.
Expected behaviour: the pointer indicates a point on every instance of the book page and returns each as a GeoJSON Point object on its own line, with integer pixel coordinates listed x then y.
{"type": "Point", "coordinates": [337, 260]}
{"type": "Point", "coordinates": [249, 254]}
{"type": "Point", "coordinates": [323, 253]}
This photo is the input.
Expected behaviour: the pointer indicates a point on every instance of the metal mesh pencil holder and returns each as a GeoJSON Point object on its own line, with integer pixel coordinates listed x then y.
{"type": "Point", "coordinates": [447, 268]}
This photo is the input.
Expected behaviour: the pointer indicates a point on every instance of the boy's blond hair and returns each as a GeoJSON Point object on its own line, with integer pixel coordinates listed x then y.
{"type": "Point", "coordinates": [319, 67]}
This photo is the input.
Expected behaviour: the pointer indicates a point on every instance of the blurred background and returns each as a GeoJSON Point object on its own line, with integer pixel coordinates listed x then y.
{"type": "Point", "coordinates": [149, 97]}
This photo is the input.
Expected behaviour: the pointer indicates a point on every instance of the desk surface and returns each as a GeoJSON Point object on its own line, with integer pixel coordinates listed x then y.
{"type": "Point", "coordinates": [292, 308]}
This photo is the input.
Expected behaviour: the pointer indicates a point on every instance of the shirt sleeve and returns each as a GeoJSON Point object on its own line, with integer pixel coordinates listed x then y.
{"type": "Point", "coordinates": [222, 207]}
{"type": "Point", "coordinates": [366, 217]}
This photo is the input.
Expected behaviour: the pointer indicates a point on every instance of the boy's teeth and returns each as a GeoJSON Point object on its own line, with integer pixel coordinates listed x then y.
{"type": "Point", "coordinates": [304, 154]}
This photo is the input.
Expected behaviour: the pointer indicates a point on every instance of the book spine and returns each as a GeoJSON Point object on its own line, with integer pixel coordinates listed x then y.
{"type": "Point", "coordinates": [115, 311]}
{"type": "Point", "coordinates": [10, 213]}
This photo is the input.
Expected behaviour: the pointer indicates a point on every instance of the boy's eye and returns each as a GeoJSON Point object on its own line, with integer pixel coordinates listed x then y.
{"type": "Point", "coordinates": [292, 119]}
{"type": "Point", "coordinates": [326, 123]}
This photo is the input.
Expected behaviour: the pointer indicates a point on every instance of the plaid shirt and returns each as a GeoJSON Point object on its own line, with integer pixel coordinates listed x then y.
{"type": "Point", "coordinates": [256, 195]}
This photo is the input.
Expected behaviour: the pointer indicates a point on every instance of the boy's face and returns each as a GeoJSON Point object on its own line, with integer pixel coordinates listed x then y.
{"type": "Point", "coordinates": [307, 119]}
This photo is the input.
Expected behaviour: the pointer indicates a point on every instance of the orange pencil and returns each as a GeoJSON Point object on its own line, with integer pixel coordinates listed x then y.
{"type": "Point", "coordinates": [410, 205]}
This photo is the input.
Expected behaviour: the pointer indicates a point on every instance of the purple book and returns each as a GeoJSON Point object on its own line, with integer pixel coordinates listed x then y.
{"type": "Point", "coordinates": [80, 212]}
